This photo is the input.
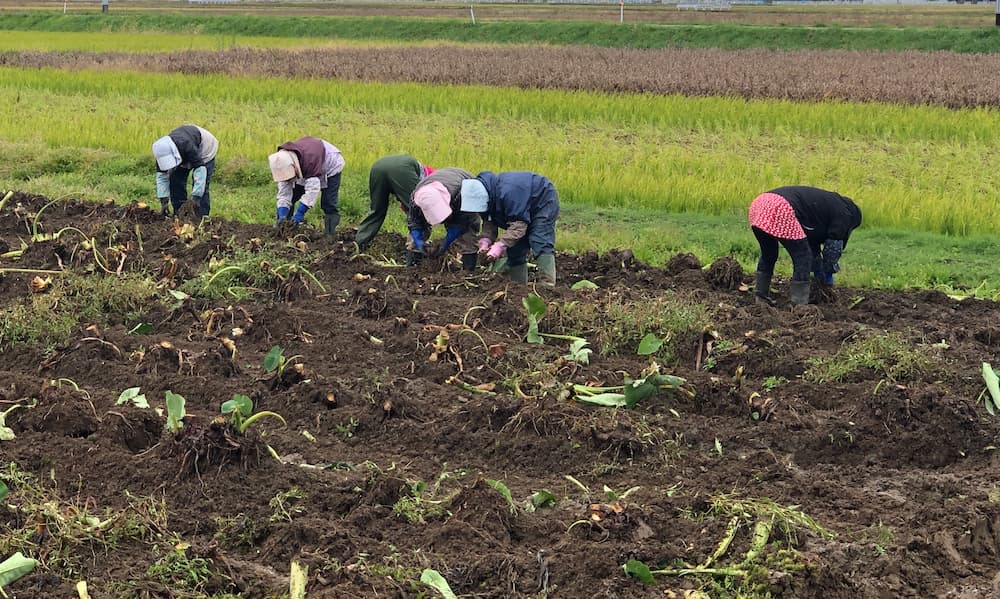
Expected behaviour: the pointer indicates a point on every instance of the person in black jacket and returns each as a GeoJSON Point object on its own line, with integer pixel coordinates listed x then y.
{"type": "Point", "coordinates": [188, 149]}
{"type": "Point", "coordinates": [812, 224]}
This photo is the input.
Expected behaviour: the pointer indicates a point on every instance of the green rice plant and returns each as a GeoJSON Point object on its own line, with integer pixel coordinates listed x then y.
{"type": "Point", "coordinates": [889, 355]}
{"type": "Point", "coordinates": [227, 29]}
{"type": "Point", "coordinates": [704, 155]}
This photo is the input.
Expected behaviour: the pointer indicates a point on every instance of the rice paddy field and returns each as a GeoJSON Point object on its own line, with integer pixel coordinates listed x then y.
{"type": "Point", "coordinates": [424, 446]}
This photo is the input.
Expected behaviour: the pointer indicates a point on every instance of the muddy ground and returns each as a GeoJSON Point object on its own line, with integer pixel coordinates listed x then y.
{"type": "Point", "coordinates": [398, 423]}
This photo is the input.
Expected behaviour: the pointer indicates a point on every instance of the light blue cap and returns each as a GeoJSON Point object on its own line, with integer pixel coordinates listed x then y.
{"type": "Point", "coordinates": [166, 153]}
{"type": "Point", "coordinates": [474, 196]}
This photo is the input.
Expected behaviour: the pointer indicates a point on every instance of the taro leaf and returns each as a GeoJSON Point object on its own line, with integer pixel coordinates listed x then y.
{"type": "Point", "coordinates": [3, 490]}
{"type": "Point", "coordinates": [634, 567]}
{"type": "Point", "coordinates": [579, 352]}
{"type": "Point", "coordinates": [175, 412]}
{"type": "Point", "coordinates": [15, 567]}
{"type": "Point", "coordinates": [433, 579]}
{"type": "Point", "coordinates": [993, 385]}
{"type": "Point", "coordinates": [584, 284]}
{"type": "Point", "coordinates": [611, 400]}
{"type": "Point", "coordinates": [505, 491]}
{"type": "Point", "coordinates": [542, 498]}
{"type": "Point", "coordinates": [637, 390]}
{"type": "Point", "coordinates": [239, 402]}
{"type": "Point", "coordinates": [650, 344]}
{"type": "Point", "coordinates": [535, 306]}
{"type": "Point", "coordinates": [143, 328]}
{"type": "Point", "coordinates": [273, 358]}
{"type": "Point", "coordinates": [132, 395]}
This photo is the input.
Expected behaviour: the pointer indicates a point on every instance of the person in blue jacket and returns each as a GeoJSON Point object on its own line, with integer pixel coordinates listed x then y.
{"type": "Point", "coordinates": [525, 205]}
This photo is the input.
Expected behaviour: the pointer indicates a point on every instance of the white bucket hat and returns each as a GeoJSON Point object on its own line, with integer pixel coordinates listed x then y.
{"type": "Point", "coordinates": [166, 153]}
{"type": "Point", "coordinates": [434, 201]}
{"type": "Point", "coordinates": [474, 196]}
{"type": "Point", "coordinates": [284, 165]}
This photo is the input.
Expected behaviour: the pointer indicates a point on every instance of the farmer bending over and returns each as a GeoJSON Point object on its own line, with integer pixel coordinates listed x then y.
{"type": "Point", "coordinates": [526, 206]}
{"type": "Point", "coordinates": [396, 175]}
{"type": "Point", "coordinates": [812, 224]}
{"type": "Point", "coordinates": [306, 169]}
{"type": "Point", "coordinates": [438, 200]}
{"type": "Point", "coordinates": [188, 148]}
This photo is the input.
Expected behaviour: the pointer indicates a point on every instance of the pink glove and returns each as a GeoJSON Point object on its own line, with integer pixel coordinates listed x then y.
{"type": "Point", "coordinates": [484, 244]}
{"type": "Point", "coordinates": [496, 250]}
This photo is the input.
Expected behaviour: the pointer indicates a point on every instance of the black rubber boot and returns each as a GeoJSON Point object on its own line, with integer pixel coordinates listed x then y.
{"type": "Point", "coordinates": [546, 264]}
{"type": "Point", "coordinates": [330, 222]}
{"type": "Point", "coordinates": [762, 288]}
{"type": "Point", "coordinates": [519, 273]}
{"type": "Point", "coordinates": [798, 292]}
{"type": "Point", "coordinates": [469, 261]}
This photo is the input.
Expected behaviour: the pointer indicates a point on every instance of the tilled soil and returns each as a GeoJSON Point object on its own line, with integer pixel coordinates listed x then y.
{"type": "Point", "coordinates": [418, 393]}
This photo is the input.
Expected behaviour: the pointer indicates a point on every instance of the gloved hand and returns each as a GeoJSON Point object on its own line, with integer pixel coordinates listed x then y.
{"type": "Point", "coordinates": [453, 234]}
{"type": "Point", "coordinates": [496, 250]}
{"type": "Point", "coordinates": [164, 206]}
{"type": "Point", "coordinates": [825, 278]}
{"type": "Point", "coordinates": [300, 213]}
{"type": "Point", "coordinates": [484, 244]}
{"type": "Point", "coordinates": [199, 205]}
{"type": "Point", "coordinates": [418, 239]}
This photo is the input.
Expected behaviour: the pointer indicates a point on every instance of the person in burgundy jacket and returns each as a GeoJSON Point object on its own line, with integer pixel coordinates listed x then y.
{"type": "Point", "coordinates": [308, 169]}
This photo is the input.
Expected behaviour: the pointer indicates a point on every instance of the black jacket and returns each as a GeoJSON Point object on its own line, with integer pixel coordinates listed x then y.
{"type": "Point", "coordinates": [823, 214]}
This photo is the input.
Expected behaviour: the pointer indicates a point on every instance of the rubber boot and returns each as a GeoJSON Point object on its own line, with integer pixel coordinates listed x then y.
{"type": "Point", "coordinates": [762, 288]}
{"type": "Point", "coordinates": [519, 273]}
{"type": "Point", "coordinates": [469, 261]}
{"type": "Point", "coordinates": [330, 222]}
{"type": "Point", "coordinates": [546, 269]}
{"type": "Point", "coordinates": [798, 292]}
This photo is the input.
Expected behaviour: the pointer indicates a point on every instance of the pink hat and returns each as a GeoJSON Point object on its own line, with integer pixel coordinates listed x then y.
{"type": "Point", "coordinates": [434, 201]}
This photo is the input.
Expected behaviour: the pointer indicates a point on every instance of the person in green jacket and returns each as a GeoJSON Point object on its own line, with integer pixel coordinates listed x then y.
{"type": "Point", "coordinates": [396, 175]}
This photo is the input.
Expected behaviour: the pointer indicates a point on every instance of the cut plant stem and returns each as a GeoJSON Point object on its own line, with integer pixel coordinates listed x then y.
{"type": "Point", "coordinates": [32, 271]}
{"type": "Point", "coordinates": [724, 572]}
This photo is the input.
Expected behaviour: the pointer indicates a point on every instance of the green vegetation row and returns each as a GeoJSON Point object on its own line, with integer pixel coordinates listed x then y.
{"type": "Point", "coordinates": [148, 42]}
{"type": "Point", "coordinates": [917, 168]}
{"type": "Point", "coordinates": [733, 37]}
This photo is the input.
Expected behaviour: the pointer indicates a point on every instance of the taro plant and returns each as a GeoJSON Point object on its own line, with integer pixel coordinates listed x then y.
{"type": "Point", "coordinates": [15, 567]}
{"type": "Point", "coordinates": [276, 362]}
{"type": "Point", "coordinates": [175, 412]}
{"type": "Point", "coordinates": [535, 306]}
{"type": "Point", "coordinates": [650, 382]}
{"type": "Point", "coordinates": [241, 414]}
{"type": "Point", "coordinates": [7, 433]}
{"type": "Point", "coordinates": [134, 396]}
{"type": "Point", "coordinates": [990, 396]}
